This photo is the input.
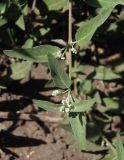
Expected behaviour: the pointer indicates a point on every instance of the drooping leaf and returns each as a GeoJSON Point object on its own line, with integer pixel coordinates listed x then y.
{"type": "Point", "coordinates": [104, 73]}
{"type": "Point", "coordinates": [58, 74]}
{"type": "Point", "coordinates": [83, 106]}
{"type": "Point", "coordinates": [78, 125]}
{"type": "Point", "coordinates": [20, 69]}
{"type": "Point", "coordinates": [52, 107]}
{"type": "Point", "coordinates": [37, 54]}
{"type": "Point", "coordinates": [55, 5]}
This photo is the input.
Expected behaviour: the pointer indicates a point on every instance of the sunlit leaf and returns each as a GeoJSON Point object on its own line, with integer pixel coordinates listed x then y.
{"type": "Point", "coordinates": [36, 54]}
{"type": "Point", "coordinates": [86, 87]}
{"type": "Point", "coordinates": [20, 22]}
{"type": "Point", "coordinates": [3, 6]}
{"type": "Point", "coordinates": [20, 69]}
{"type": "Point", "coordinates": [55, 5]}
{"type": "Point", "coordinates": [25, 10]}
{"type": "Point", "coordinates": [104, 73]}
{"type": "Point", "coordinates": [119, 68]}
{"type": "Point", "coordinates": [98, 98]}
{"type": "Point", "coordinates": [28, 43]}
{"type": "Point", "coordinates": [88, 28]}
{"type": "Point", "coordinates": [52, 107]}
{"type": "Point", "coordinates": [92, 147]}
{"type": "Point", "coordinates": [119, 147]}
{"type": "Point", "coordinates": [113, 105]}
{"type": "Point", "coordinates": [78, 125]}
{"type": "Point", "coordinates": [83, 106]}
{"type": "Point", "coordinates": [110, 157]}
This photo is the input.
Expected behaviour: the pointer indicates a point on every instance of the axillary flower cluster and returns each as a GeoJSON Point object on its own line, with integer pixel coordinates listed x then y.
{"type": "Point", "coordinates": [67, 104]}
{"type": "Point", "coordinates": [61, 53]}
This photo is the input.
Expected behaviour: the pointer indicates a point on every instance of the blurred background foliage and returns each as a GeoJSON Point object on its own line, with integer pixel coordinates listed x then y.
{"type": "Point", "coordinates": [99, 67]}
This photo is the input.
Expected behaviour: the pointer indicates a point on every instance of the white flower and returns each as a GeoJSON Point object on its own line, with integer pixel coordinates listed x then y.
{"type": "Point", "coordinates": [67, 110]}
{"type": "Point", "coordinates": [56, 92]}
{"type": "Point", "coordinates": [62, 109]}
{"type": "Point", "coordinates": [73, 50]}
{"type": "Point", "coordinates": [58, 54]}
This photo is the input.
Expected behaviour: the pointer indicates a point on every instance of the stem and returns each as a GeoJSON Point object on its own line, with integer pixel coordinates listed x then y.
{"type": "Point", "coordinates": [33, 5]}
{"type": "Point", "coordinates": [69, 54]}
{"type": "Point", "coordinates": [75, 87]}
{"type": "Point", "coordinates": [75, 80]}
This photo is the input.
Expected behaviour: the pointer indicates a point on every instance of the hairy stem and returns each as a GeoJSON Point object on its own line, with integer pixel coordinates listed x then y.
{"type": "Point", "coordinates": [69, 54]}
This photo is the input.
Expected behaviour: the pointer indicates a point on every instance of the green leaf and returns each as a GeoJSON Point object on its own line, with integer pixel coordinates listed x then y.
{"type": "Point", "coordinates": [28, 43]}
{"type": "Point", "coordinates": [92, 147]}
{"type": "Point", "coordinates": [58, 74]}
{"type": "Point", "coordinates": [86, 87]}
{"type": "Point", "coordinates": [118, 153]}
{"type": "Point", "coordinates": [3, 6]}
{"type": "Point", "coordinates": [37, 54]}
{"type": "Point", "coordinates": [104, 73]}
{"type": "Point", "coordinates": [78, 125]}
{"type": "Point", "coordinates": [51, 107]}
{"type": "Point", "coordinates": [119, 68]}
{"type": "Point", "coordinates": [119, 147]}
{"type": "Point", "coordinates": [83, 106]}
{"type": "Point", "coordinates": [3, 21]}
{"type": "Point", "coordinates": [93, 3]}
{"type": "Point", "coordinates": [55, 5]}
{"type": "Point", "coordinates": [113, 105]}
{"type": "Point", "coordinates": [98, 98]}
{"type": "Point", "coordinates": [120, 2]}
{"type": "Point", "coordinates": [7, 35]}
{"type": "Point", "coordinates": [110, 157]}
{"type": "Point", "coordinates": [25, 10]}
{"type": "Point", "coordinates": [20, 69]}
{"type": "Point", "coordinates": [87, 29]}
{"type": "Point", "coordinates": [20, 22]}
{"type": "Point", "coordinates": [101, 3]}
